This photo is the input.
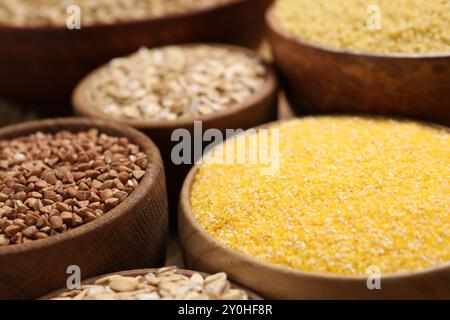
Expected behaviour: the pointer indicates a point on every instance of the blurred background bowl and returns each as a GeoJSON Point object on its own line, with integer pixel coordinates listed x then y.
{"type": "Point", "coordinates": [131, 235]}
{"type": "Point", "coordinates": [40, 66]}
{"type": "Point", "coordinates": [325, 80]}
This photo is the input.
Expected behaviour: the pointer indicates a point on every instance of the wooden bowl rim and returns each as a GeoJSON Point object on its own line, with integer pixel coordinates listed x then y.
{"type": "Point", "coordinates": [83, 107]}
{"type": "Point", "coordinates": [110, 217]}
{"type": "Point", "coordinates": [186, 211]}
{"type": "Point", "coordinates": [275, 27]}
{"type": "Point", "coordinates": [129, 23]}
{"type": "Point", "coordinates": [139, 272]}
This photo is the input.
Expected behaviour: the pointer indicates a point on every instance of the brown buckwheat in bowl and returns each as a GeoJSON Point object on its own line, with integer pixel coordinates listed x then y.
{"type": "Point", "coordinates": [192, 88]}
{"type": "Point", "coordinates": [41, 58]}
{"type": "Point", "coordinates": [77, 194]}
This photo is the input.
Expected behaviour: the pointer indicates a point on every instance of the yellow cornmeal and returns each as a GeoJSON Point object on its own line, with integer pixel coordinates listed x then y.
{"type": "Point", "coordinates": [350, 193]}
{"type": "Point", "coordinates": [407, 26]}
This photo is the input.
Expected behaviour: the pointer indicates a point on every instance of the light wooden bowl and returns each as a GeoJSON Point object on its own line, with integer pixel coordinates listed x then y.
{"type": "Point", "coordinates": [134, 273]}
{"type": "Point", "coordinates": [132, 235]}
{"type": "Point", "coordinates": [42, 65]}
{"type": "Point", "coordinates": [258, 109]}
{"type": "Point", "coordinates": [326, 80]}
{"type": "Point", "coordinates": [201, 251]}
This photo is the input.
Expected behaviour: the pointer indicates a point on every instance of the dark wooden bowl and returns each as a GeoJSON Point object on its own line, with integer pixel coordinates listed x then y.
{"type": "Point", "coordinates": [132, 235]}
{"type": "Point", "coordinates": [44, 64]}
{"type": "Point", "coordinates": [202, 251]}
{"type": "Point", "coordinates": [134, 273]}
{"type": "Point", "coordinates": [325, 80]}
{"type": "Point", "coordinates": [258, 109]}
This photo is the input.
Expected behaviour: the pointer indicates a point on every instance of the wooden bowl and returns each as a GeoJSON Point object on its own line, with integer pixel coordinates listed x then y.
{"type": "Point", "coordinates": [202, 251]}
{"type": "Point", "coordinates": [258, 109]}
{"type": "Point", "coordinates": [132, 235]}
{"type": "Point", "coordinates": [134, 273]}
{"type": "Point", "coordinates": [326, 80]}
{"type": "Point", "coordinates": [42, 65]}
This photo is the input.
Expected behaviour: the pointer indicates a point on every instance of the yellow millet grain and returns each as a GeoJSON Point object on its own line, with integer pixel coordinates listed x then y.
{"type": "Point", "coordinates": [407, 26]}
{"type": "Point", "coordinates": [350, 193]}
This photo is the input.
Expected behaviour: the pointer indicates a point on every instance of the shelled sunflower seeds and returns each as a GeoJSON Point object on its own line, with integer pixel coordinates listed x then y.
{"type": "Point", "coordinates": [167, 283]}
{"type": "Point", "coordinates": [175, 82]}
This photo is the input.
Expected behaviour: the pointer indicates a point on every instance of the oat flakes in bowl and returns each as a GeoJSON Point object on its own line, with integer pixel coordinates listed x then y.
{"type": "Point", "coordinates": [174, 82]}
{"type": "Point", "coordinates": [65, 56]}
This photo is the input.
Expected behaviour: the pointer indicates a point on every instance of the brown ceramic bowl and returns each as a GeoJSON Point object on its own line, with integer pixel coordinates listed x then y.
{"type": "Point", "coordinates": [258, 109]}
{"type": "Point", "coordinates": [326, 80]}
{"type": "Point", "coordinates": [202, 251]}
{"type": "Point", "coordinates": [132, 235]}
{"type": "Point", "coordinates": [134, 273]}
{"type": "Point", "coordinates": [44, 64]}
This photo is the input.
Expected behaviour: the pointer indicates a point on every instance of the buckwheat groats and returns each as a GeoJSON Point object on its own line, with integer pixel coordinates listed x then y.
{"type": "Point", "coordinates": [407, 26]}
{"type": "Point", "coordinates": [165, 284]}
{"type": "Point", "coordinates": [350, 193]}
{"type": "Point", "coordinates": [36, 13]}
{"type": "Point", "coordinates": [175, 82]}
{"type": "Point", "coordinates": [51, 183]}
